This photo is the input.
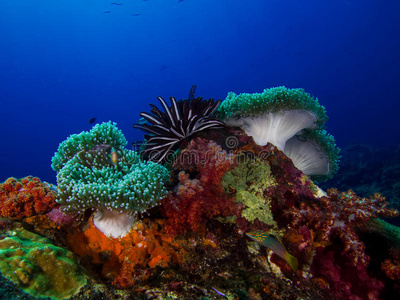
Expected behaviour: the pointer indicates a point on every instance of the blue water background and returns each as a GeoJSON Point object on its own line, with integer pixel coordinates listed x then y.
{"type": "Point", "coordinates": [63, 62]}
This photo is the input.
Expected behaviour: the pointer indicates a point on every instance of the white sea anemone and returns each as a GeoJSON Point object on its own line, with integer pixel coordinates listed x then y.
{"type": "Point", "coordinates": [307, 156]}
{"type": "Point", "coordinates": [275, 127]}
{"type": "Point", "coordinates": [113, 223]}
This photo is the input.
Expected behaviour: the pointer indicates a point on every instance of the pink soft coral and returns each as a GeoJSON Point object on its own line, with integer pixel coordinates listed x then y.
{"type": "Point", "coordinates": [324, 230]}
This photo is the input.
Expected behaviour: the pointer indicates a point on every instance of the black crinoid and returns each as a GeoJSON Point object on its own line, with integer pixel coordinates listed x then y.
{"type": "Point", "coordinates": [168, 129]}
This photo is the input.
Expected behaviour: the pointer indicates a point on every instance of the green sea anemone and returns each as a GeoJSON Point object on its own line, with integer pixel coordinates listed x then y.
{"type": "Point", "coordinates": [105, 133]}
{"type": "Point", "coordinates": [117, 188]}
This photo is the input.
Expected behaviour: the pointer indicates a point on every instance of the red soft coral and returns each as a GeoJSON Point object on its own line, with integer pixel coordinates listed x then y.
{"type": "Point", "coordinates": [201, 198]}
{"type": "Point", "coordinates": [345, 280]}
{"type": "Point", "coordinates": [25, 198]}
{"type": "Point", "coordinates": [322, 232]}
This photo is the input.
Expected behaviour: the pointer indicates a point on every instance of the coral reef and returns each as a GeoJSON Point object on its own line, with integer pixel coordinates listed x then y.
{"type": "Point", "coordinates": [38, 267]}
{"type": "Point", "coordinates": [320, 231]}
{"type": "Point", "coordinates": [218, 192]}
{"type": "Point", "coordinates": [25, 198]}
{"type": "Point", "coordinates": [229, 218]}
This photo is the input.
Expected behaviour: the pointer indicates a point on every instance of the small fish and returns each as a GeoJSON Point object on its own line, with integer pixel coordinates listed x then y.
{"type": "Point", "coordinates": [51, 186]}
{"type": "Point", "coordinates": [102, 147]}
{"type": "Point", "coordinates": [272, 242]}
{"type": "Point", "coordinates": [142, 121]}
{"type": "Point", "coordinates": [92, 120]}
{"type": "Point", "coordinates": [107, 11]}
{"type": "Point", "coordinates": [218, 292]}
{"type": "Point", "coordinates": [114, 157]}
{"type": "Point", "coordinates": [137, 14]}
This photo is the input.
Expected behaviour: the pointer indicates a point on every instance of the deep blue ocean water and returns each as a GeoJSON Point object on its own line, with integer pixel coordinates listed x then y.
{"type": "Point", "coordinates": [63, 62]}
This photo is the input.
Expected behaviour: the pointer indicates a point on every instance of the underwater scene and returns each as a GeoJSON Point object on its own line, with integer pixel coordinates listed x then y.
{"type": "Point", "coordinates": [198, 149]}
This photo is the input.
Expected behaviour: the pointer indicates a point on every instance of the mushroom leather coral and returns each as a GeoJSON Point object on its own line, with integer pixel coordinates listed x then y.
{"type": "Point", "coordinates": [25, 198]}
{"type": "Point", "coordinates": [131, 258]}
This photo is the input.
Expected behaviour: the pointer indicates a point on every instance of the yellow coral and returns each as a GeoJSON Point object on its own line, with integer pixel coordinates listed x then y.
{"type": "Point", "coordinates": [38, 267]}
{"type": "Point", "coordinates": [248, 181]}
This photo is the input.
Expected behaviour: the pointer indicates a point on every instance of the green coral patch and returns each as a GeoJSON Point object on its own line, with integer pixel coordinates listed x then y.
{"type": "Point", "coordinates": [248, 182]}
{"type": "Point", "coordinates": [38, 267]}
